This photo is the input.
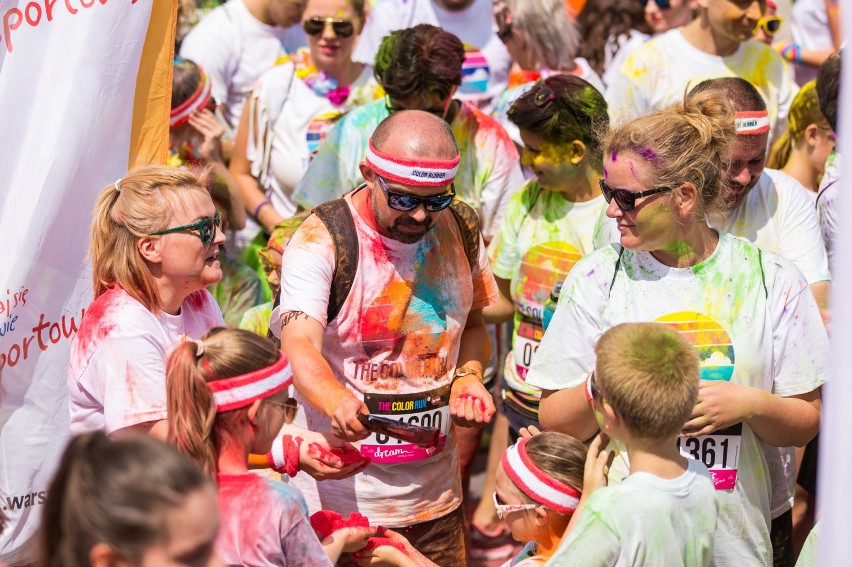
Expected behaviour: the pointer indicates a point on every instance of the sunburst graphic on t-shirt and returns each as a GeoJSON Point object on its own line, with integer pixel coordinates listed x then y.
{"type": "Point", "coordinates": [714, 345]}
{"type": "Point", "coordinates": [406, 322]}
{"type": "Point", "coordinates": [318, 129]}
{"type": "Point", "coordinates": [540, 268]}
{"type": "Point", "coordinates": [475, 72]}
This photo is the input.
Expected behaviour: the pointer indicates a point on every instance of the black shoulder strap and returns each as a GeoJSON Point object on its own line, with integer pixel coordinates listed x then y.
{"type": "Point", "coordinates": [615, 272]}
{"type": "Point", "coordinates": [468, 222]}
{"type": "Point", "coordinates": [337, 218]}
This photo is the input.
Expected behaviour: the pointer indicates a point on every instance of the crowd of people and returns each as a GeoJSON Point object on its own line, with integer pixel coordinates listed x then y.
{"type": "Point", "coordinates": [601, 231]}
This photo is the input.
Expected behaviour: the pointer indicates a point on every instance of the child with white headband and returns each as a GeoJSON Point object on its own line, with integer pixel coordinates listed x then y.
{"type": "Point", "coordinates": [643, 389]}
{"type": "Point", "coordinates": [228, 397]}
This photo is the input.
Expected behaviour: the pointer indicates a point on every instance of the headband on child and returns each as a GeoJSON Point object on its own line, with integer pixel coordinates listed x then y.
{"type": "Point", "coordinates": [198, 100]}
{"type": "Point", "coordinates": [750, 123]}
{"type": "Point", "coordinates": [535, 483]}
{"type": "Point", "coordinates": [241, 391]}
{"type": "Point", "coordinates": [417, 173]}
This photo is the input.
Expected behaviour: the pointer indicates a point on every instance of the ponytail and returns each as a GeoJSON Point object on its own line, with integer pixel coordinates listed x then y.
{"type": "Point", "coordinates": [780, 152]}
{"type": "Point", "coordinates": [191, 410]}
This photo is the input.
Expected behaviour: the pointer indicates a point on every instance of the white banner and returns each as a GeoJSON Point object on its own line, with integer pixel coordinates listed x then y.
{"type": "Point", "coordinates": [77, 78]}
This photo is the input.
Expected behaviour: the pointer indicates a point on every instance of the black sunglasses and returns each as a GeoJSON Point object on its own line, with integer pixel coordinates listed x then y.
{"type": "Point", "coordinates": [404, 202]}
{"type": "Point", "coordinates": [206, 228]}
{"type": "Point", "coordinates": [661, 4]}
{"type": "Point", "coordinates": [625, 199]}
{"type": "Point", "coordinates": [341, 27]}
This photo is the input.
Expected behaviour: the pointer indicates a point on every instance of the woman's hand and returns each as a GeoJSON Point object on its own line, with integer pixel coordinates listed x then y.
{"type": "Point", "coordinates": [598, 460]}
{"type": "Point", "coordinates": [211, 130]}
{"type": "Point", "coordinates": [720, 405]}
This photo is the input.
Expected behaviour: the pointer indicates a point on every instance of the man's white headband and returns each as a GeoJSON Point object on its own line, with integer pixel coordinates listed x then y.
{"type": "Point", "coordinates": [240, 391]}
{"type": "Point", "coordinates": [535, 483]}
{"type": "Point", "coordinates": [749, 123]}
{"type": "Point", "coordinates": [417, 173]}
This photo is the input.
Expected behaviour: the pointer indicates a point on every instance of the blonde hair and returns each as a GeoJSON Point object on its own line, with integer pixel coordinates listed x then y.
{"type": "Point", "coordinates": [194, 426]}
{"type": "Point", "coordinates": [114, 491]}
{"type": "Point", "coordinates": [140, 203]}
{"type": "Point", "coordinates": [648, 373]}
{"type": "Point", "coordinates": [803, 112]}
{"type": "Point", "coordinates": [559, 456]}
{"type": "Point", "coordinates": [688, 142]}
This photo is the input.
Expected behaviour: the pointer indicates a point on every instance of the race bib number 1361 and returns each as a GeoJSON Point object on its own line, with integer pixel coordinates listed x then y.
{"type": "Point", "coordinates": [719, 451]}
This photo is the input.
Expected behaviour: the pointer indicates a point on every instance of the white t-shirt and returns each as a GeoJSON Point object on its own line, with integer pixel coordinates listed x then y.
{"type": "Point", "coordinates": [235, 49]}
{"type": "Point", "coordinates": [778, 215]}
{"type": "Point", "coordinates": [117, 372]}
{"type": "Point", "coordinates": [827, 205]}
{"type": "Point", "coordinates": [541, 238]}
{"type": "Point", "coordinates": [489, 168]}
{"type": "Point", "coordinates": [485, 72]}
{"type": "Point", "coordinates": [754, 322]}
{"type": "Point", "coordinates": [505, 100]}
{"type": "Point", "coordinates": [614, 61]}
{"type": "Point", "coordinates": [646, 520]}
{"type": "Point", "coordinates": [657, 73]}
{"type": "Point", "coordinates": [809, 24]}
{"type": "Point", "coordinates": [300, 120]}
{"type": "Point", "coordinates": [395, 345]}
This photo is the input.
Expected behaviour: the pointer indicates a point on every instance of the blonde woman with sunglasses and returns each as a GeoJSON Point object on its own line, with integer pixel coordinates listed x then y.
{"type": "Point", "coordinates": [294, 104]}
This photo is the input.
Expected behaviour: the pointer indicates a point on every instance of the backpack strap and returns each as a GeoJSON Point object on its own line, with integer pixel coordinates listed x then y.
{"type": "Point", "coordinates": [337, 218]}
{"type": "Point", "coordinates": [468, 222]}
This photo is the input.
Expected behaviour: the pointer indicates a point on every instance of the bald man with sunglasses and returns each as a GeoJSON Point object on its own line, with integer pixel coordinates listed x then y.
{"type": "Point", "coordinates": [407, 343]}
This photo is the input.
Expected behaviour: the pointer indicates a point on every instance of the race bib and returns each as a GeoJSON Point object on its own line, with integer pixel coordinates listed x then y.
{"type": "Point", "coordinates": [428, 409]}
{"type": "Point", "coordinates": [526, 344]}
{"type": "Point", "coordinates": [719, 451]}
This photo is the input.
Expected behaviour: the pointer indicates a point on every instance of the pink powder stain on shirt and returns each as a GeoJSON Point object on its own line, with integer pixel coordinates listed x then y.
{"type": "Point", "coordinates": [98, 322]}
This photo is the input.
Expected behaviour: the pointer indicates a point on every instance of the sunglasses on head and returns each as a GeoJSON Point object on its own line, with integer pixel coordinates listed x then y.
{"type": "Point", "coordinates": [341, 27]}
{"type": "Point", "coordinates": [206, 228]}
{"type": "Point", "coordinates": [405, 202]}
{"type": "Point", "coordinates": [769, 24]}
{"type": "Point", "coordinates": [503, 19]}
{"type": "Point", "coordinates": [626, 199]}
{"type": "Point", "coordinates": [661, 4]}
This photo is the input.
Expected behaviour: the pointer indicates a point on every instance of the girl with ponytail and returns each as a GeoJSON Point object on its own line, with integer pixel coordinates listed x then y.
{"type": "Point", "coordinates": [228, 396]}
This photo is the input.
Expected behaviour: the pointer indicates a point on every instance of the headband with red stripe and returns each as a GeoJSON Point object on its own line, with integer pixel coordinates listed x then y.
{"type": "Point", "coordinates": [240, 391]}
{"type": "Point", "coordinates": [750, 123]}
{"type": "Point", "coordinates": [198, 100]}
{"type": "Point", "coordinates": [417, 173]}
{"type": "Point", "coordinates": [535, 483]}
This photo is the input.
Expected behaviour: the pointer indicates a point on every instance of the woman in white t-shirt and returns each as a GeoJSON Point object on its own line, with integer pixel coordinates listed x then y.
{"type": "Point", "coordinates": [154, 249]}
{"type": "Point", "coordinates": [543, 42]}
{"type": "Point", "coordinates": [293, 105]}
{"type": "Point", "coordinates": [750, 313]}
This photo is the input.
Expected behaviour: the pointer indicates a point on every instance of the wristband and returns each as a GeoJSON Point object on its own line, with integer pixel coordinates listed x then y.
{"type": "Point", "coordinates": [284, 456]}
{"type": "Point", "coordinates": [260, 206]}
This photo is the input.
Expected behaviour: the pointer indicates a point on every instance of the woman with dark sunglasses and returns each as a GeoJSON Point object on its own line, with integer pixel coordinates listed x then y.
{"type": "Point", "coordinates": [750, 314]}
{"type": "Point", "coordinates": [154, 249]}
{"type": "Point", "coordinates": [294, 104]}
{"type": "Point", "coordinates": [664, 15]}
{"type": "Point", "coordinates": [543, 42]}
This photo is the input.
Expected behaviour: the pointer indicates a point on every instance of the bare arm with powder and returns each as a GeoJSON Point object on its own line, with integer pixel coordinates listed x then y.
{"type": "Point", "coordinates": [470, 403]}
{"type": "Point", "coordinates": [567, 411]}
{"type": "Point", "coordinates": [301, 341]}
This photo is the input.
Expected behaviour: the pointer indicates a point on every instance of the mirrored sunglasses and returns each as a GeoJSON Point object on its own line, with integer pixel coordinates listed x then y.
{"type": "Point", "coordinates": [626, 199]}
{"type": "Point", "coordinates": [341, 27]}
{"type": "Point", "coordinates": [405, 202]}
{"type": "Point", "coordinates": [206, 228]}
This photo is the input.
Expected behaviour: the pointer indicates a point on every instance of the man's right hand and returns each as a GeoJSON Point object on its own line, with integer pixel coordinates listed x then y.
{"type": "Point", "coordinates": [344, 420]}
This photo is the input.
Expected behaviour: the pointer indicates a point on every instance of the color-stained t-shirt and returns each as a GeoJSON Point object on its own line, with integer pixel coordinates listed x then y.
{"type": "Point", "coordinates": [489, 168]}
{"type": "Point", "coordinates": [646, 520]}
{"type": "Point", "coordinates": [657, 74]}
{"type": "Point", "coordinates": [291, 122]}
{"type": "Point", "coordinates": [235, 48]}
{"type": "Point", "coordinates": [541, 238]}
{"type": "Point", "coordinates": [395, 345]}
{"type": "Point", "coordinates": [827, 205]}
{"type": "Point", "coordinates": [754, 322]}
{"type": "Point", "coordinates": [264, 523]}
{"type": "Point", "coordinates": [117, 373]}
{"type": "Point", "coordinates": [485, 70]}
{"type": "Point", "coordinates": [506, 99]}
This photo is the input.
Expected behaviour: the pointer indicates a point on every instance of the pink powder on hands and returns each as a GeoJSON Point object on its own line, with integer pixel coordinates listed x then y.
{"type": "Point", "coordinates": [338, 457]}
{"type": "Point", "coordinates": [374, 542]}
{"type": "Point", "coordinates": [326, 522]}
